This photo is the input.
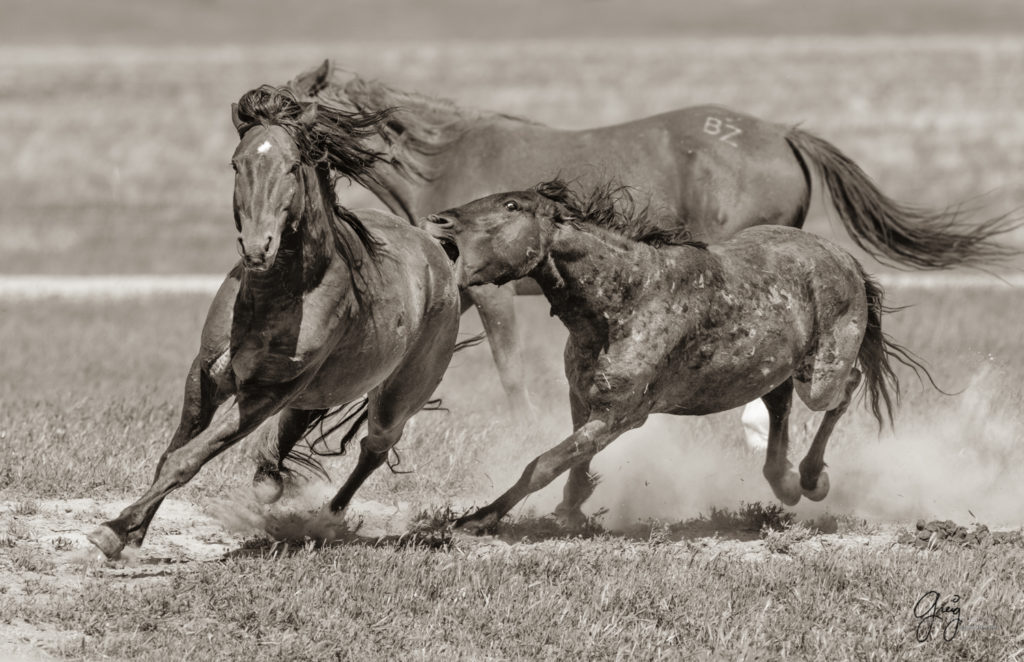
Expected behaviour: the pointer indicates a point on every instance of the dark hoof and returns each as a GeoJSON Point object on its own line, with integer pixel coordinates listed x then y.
{"type": "Point", "coordinates": [267, 486]}
{"type": "Point", "coordinates": [820, 491]}
{"type": "Point", "coordinates": [785, 486]}
{"type": "Point", "coordinates": [477, 525]}
{"type": "Point", "coordinates": [107, 541]}
{"type": "Point", "coordinates": [572, 520]}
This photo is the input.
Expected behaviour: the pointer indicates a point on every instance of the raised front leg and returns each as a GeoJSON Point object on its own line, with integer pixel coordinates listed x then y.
{"type": "Point", "coordinates": [231, 421]}
{"type": "Point", "coordinates": [498, 316]}
{"type": "Point", "coordinates": [580, 446]}
{"type": "Point", "coordinates": [813, 479]}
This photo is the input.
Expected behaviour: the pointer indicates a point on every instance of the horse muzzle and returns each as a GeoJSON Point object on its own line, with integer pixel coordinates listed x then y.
{"type": "Point", "coordinates": [259, 257]}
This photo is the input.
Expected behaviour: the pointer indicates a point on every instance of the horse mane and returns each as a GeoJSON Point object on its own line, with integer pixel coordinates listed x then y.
{"type": "Point", "coordinates": [612, 207]}
{"type": "Point", "coordinates": [334, 137]}
{"type": "Point", "coordinates": [418, 126]}
{"type": "Point", "coordinates": [329, 144]}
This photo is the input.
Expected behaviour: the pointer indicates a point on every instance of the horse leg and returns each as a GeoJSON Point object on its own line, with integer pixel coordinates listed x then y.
{"type": "Point", "coordinates": [813, 479]}
{"type": "Point", "coordinates": [230, 422]}
{"type": "Point", "coordinates": [396, 400]}
{"type": "Point", "coordinates": [578, 447]}
{"type": "Point", "coordinates": [201, 400]}
{"type": "Point", "coordinates": [497, 314]}
{"type": "Point", "coordinates": [581, 482]}
{"type": "Point", "coordinates": [268, 481]}
{"type": "Point", "coordinates": [778, 470]}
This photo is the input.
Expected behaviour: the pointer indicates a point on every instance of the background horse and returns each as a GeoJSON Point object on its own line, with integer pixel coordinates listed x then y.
{"type": "Point", "coordinates": [708, 168]}
{"type": "Point", "coordinates": [659, 325]}
{"type": "Point", "coordinates": [325, 306]}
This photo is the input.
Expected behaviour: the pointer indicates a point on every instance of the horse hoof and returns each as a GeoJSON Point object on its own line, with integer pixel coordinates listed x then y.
{"type": "Point", "coordinates": [477, 526]}
{"type": "Point", "coordinates": [267, 488]}
{"type": "Point", "coordinates": [107, 541]}
{"type": "Point", "coordinates": [786, 487]}
{"type": "Point", "coordinates": [572, 520]}
{"type": "Point", "coordinates": [820, 490]}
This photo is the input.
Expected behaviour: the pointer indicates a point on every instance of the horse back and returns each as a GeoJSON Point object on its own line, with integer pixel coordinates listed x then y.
{"type": "Point", "coordinates": [687, 164]}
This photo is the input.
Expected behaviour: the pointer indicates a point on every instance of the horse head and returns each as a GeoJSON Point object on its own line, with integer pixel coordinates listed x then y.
{"type": "Point", "coordinates": [268, 194]}
{"type": "Point", "coordinates": [499, 238]}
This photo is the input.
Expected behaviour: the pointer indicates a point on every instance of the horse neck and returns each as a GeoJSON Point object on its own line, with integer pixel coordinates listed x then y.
{"type": "Point", "coordinates": [590, 276]}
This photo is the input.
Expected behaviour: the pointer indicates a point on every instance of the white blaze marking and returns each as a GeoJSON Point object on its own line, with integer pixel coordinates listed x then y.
{"type": "Point", "coordinates": [264, 148]}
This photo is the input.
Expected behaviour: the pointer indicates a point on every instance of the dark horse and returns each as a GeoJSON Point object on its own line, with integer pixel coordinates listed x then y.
{"type": "Point", "coordinates": [325, 306]}
{"type": "Point", "coordinates": [660, 325]}
{"type": "Point", "coordinates": [710, 168]}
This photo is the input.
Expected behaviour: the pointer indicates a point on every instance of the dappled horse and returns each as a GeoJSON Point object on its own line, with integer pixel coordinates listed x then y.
{"type": "Point", "coordinates": [662, 325]}
{"type": "Point", "coordinates": [708, 168]}
{"type": "Point", "coordinates": [325, 306]}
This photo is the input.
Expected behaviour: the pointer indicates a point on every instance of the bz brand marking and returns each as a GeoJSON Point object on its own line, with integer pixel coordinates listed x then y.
{"type": "Point", "coordinates": [726, 132]}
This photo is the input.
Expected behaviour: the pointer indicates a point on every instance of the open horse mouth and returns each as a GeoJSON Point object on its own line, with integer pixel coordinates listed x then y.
{"type": "Point", "coordinates": [451, 249]}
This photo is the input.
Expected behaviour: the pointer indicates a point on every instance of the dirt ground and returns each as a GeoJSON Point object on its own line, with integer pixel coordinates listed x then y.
{"type": "Point", "coordinates": [45, 550]}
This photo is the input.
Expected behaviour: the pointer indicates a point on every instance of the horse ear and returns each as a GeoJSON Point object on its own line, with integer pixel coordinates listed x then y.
{"type": "Point", "coordinates": [236, 120]}
{"type": "Point", "coordinates": [310, 83]}
{"type": "Point", "coordinates": [308, 115]}
{"type": "Point", "coordinates": [322, 75]}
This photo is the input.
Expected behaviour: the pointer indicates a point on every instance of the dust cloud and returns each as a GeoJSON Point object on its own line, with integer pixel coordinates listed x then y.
{"type": "Point", "coordinates": [960, 459]}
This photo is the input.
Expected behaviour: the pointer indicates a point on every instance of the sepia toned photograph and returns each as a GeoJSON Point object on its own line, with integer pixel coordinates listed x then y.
{"type": "Point", "coordinates": [494, 330]}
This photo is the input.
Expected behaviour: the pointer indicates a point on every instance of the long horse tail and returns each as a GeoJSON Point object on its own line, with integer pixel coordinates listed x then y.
{"type": "Point", "coordinates": [877, 351]}
{"type": "Point", "coordinates": [351, 417]}
{"type": "Point", "coordinates": [897, 233]}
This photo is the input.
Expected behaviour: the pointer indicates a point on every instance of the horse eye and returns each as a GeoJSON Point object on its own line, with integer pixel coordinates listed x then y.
{"type": "Point", "coordinates": [512, 205]}
{"type": "Point", "coordinates": [294, 168]}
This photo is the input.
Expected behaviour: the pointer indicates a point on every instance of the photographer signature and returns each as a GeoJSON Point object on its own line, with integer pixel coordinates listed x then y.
{"type": "Point", "coordinates": [931, 614]}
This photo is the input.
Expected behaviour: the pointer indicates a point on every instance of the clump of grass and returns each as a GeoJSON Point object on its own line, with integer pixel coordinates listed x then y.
{"type": "Point", "coordinates": [62, 544]}
{"type": "Point", "coordinates": [26, 508]}
{"type": "Point", "coordinates": [781, 541]}
{"type": "Point", "coordinates": [432, 527]}
{"type": "Point", "coordinates": [18, 530]}
{"type": "Point", "coordinates": [30, 560]}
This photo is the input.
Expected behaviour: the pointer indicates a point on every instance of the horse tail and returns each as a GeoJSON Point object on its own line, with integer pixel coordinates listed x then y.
{"type": "Point", "coordinates": [877, 351]}
{"type": "Point", "coordinates": [898, 233]}
{"type": "Point", "coordinates": [350, 416]}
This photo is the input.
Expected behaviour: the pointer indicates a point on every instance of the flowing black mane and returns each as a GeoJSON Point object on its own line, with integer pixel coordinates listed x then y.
{"type": "Point", "coordinates": [329, 144]}
{"type": "Point", "coordinates": [613, 208]}
{"type": "Point", "coordinates": [416, 128]}
{"type": "Point", "coordinates": [334, 137]}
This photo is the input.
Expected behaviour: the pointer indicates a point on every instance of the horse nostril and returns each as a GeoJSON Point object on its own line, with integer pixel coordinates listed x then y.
{"type": "Point", "coordinates": [241, 247]}
{"type": "Point", "coordinates": [439, 220]}
{"type": "Point", "coordinates": [266, 246]}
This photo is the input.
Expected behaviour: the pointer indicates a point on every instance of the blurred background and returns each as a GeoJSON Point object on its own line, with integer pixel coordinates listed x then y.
{"type": "Point", "coordinates": [115, 129]}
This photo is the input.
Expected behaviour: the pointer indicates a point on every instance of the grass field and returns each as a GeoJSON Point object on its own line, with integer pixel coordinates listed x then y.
{"type": "Point", "coordinates": [87, 408]}
{"type": "Point", "coordinates": [117, 163]}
